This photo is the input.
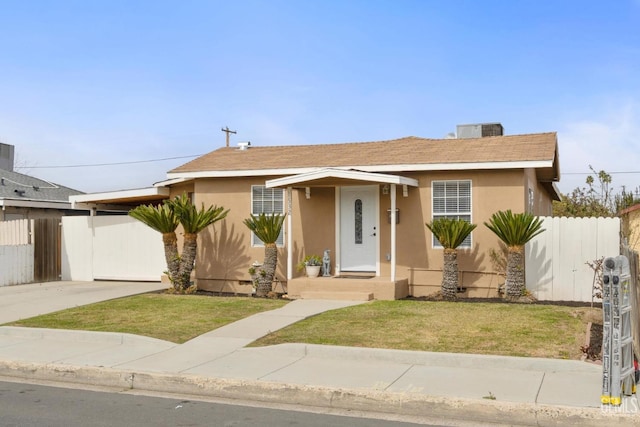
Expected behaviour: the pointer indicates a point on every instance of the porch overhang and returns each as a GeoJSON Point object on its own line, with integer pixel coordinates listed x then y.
{"type": "Point", "coordinates": [331, 177]}
{"type": "Point", "coordinates": [335, 177]}
{"type": "Point", "coordinates": [123, 200]}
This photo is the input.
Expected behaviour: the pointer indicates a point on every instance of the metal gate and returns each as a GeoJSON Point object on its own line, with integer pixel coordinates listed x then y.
{"type": "Point", "coordinates": [47, 238]}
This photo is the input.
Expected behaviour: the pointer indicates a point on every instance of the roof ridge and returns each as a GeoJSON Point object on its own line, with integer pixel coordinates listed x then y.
{"type": "Point", "coordinates": [253, 147]}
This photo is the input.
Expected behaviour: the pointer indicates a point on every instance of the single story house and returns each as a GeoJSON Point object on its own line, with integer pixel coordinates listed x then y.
{"type": "Point", "coordinates": [367, 203]}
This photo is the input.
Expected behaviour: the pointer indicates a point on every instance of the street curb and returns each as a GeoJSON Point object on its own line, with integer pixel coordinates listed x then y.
{"type": "Point", "coordinates": [433, 408]}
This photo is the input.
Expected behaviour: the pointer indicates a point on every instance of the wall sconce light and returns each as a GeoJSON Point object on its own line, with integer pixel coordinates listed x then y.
{"type": "Point", "coordinates": [385, 189]}
{"type": "Point", "coordinates": [397, 216]}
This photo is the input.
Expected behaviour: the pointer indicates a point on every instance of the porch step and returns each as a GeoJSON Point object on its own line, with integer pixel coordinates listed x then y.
{"type": "Point", "coordinates": [347, 296]}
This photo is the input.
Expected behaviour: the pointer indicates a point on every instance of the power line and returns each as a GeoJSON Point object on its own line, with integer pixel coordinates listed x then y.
{"type": "Point", "coordinates": [591, 173]}
{"type": "Point", "coordinates": [110, 164]}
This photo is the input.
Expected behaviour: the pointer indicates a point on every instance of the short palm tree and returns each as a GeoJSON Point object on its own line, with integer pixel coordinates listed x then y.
{"type": "Point", "coordinates": [165, 219]}
{"type": "Point", "coordinates": [515, 230]}
{"type": "Point", "coordinates": [193, 221]}
{"type": "Point", "coordinates": [162, 219]}
{"type": "Point", "coordinates": [266, 227]}
{"type": "Point", "coordinates": [450, 233]}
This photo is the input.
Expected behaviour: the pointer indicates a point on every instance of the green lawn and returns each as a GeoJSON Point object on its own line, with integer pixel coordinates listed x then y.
{"type": "Point", "coordinates": [175, 318]}
{"type": "Point", "coordinates": [458, 327]}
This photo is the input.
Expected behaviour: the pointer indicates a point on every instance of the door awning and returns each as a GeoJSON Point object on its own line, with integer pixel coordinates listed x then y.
{"type": "Point", "coordinates": [330, 177]}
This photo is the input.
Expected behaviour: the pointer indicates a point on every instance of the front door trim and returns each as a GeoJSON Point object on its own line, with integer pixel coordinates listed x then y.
{"type": "Point", "coordinates": [375, 217]}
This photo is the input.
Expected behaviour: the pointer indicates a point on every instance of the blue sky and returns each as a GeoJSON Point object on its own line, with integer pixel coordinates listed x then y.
{"type": "Point", "coordinates": [92, 82]}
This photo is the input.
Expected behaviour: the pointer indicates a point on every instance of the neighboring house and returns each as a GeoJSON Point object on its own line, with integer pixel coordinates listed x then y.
{"type": "Point", "coordinates": [630, 224]}
{"type": "Point", "coordinates": [367, 203]}
{"type": "Point", "coordinates": [26, 197]}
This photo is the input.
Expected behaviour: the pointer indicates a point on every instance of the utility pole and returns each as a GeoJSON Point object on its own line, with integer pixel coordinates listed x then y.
{"type": "Point", "coordinates": [226, 129]}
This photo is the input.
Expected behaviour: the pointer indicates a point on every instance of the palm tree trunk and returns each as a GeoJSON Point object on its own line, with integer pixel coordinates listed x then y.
{"type": "Point", "coordinates": [515, 283]}
{"type": "Point", "coordinates": [265, 281]}
{"type": "Point", "coordinates": [450, 274]}
{"type": "Point", "coordinates": [188, 259]}
{"type": "Point", "coordinates": [171, 256]}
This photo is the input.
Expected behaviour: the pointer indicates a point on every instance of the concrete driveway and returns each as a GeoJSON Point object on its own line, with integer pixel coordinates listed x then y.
{"type": "Point", "coordinates": [24, 301]}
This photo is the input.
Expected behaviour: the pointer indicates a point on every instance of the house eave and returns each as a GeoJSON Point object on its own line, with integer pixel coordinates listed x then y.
{"type": "Point", "coordinates": [40, 204]}
{"type": "Point", "coordinates": [123, 197]}
{"type": "Point", "coordinates": [170, 182]}
{"type": "Point", "coordinates": [419, 167]}
{"type": "Point", "coordinates": [553, 190]}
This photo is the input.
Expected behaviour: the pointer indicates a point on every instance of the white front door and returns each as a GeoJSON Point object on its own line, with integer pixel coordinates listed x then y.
{"type": "Point", "coordinates": [358, 228]}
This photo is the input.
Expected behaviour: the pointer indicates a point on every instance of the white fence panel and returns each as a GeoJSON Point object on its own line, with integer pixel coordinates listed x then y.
{"type": "Point", "coordinates": [556, 260]}
{"type": "Point", "coordinates": [16, 264]}
{"type": "Point", "coordinates": [111, 248]}
{"type": "Point", "coordinates": [77, 248]}
{"type": "Point", "coordinates": [15, 232]}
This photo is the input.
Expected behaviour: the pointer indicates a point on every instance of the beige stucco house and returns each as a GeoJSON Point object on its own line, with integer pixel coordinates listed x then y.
{"type": "Point", "coordinates": [367, 203]}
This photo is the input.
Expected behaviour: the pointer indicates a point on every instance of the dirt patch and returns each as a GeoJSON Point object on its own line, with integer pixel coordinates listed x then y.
{"type": "Point", "coordinates": [271, 295]}
{"type": "Point", "coordinates": [593, 348]}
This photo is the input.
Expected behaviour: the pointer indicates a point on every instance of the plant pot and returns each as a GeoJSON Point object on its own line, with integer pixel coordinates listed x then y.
{"type": "Point", "coordinates": [312, 270]}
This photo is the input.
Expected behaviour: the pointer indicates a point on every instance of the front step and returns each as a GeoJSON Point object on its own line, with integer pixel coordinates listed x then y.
{"type": "Point", "coordinates": [346, 296]}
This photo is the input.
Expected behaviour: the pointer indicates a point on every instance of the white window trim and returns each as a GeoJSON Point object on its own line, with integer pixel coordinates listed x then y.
{"type": "Point", "coordinates": [470, 213]}
{"type": "Point", "coordinates": [257, 243]}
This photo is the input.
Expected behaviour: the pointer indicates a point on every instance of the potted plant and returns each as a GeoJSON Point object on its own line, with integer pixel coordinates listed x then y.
{"type": "Point", "coordinates": [311, 264]}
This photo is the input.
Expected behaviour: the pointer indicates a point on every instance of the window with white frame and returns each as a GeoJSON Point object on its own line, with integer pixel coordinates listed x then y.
{"type": "Point", "coordinates": [268, 201]}
{"type": "Point", "coordinates": [451, 199]}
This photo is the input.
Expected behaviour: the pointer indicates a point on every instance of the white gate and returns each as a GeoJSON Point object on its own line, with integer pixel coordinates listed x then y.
{"type": "Point", "coordinates": [111, 248]}
{"type": "Point", "coordinates": [556, 268]}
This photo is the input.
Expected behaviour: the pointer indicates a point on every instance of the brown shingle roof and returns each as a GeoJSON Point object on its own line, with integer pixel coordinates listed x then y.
{"type": "Point", "coordinates": [404, 151]}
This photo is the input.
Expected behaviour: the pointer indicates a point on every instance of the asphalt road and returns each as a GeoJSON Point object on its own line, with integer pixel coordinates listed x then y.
{"type": "Point", "coordinates": [29, 405]}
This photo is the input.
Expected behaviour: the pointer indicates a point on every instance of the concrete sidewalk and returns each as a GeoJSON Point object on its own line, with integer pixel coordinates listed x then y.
{"type": "Point", "coordinates": [437, 386]}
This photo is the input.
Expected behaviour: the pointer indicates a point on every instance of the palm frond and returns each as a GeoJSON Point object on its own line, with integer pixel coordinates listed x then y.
{"type": "Point", "coordinates": [514, 229]}
{"type": "Point", "coordinates": [193, 220]}
{"type": "Point", "coordinates": [160, 218]}
{"type": "Point", "coordinates": [266, 227]}
{"type": "Point", "coordinates": [451, 233]}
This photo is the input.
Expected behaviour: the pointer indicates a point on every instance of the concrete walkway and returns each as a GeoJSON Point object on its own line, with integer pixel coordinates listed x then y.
{"type": "Point", "coordinates": [436, 386]}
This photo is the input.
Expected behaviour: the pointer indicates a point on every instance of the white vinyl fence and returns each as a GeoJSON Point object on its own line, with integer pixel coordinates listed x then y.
{"type": "Point", "coordinates": [556, 268]}
{"type": "Point", "coordinates": [110, 248]}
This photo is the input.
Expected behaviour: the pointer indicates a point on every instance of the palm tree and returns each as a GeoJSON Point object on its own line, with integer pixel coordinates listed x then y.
{"type": "Point", "coordinates": [193, 221]}
{"type": "Point", "coordinates": [162, 219]}
{"type": "Point", "coordinates": [515, 230]}
{"type": "Point", "coordinates": [450, 233]}
{"type": "Point", "coordinates": [165, 219]}
{"type": "Point", "coordinates": [266, 227]}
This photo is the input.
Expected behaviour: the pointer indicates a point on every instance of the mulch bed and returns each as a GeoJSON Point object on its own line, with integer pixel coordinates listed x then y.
{"type": "Point", "coordinates": [501, 300]}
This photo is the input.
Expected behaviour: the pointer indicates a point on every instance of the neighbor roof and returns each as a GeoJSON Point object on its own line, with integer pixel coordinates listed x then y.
{"type": "Point", "coordinates": [20, 187]}
{"type": "Point", "coordinates": [409, 153]}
